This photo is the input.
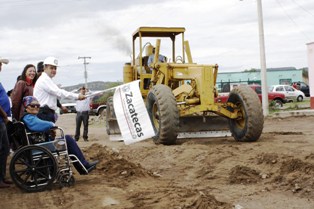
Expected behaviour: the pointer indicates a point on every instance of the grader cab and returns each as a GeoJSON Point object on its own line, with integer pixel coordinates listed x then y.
{"type": "Point", "coordinates": [181, 95]}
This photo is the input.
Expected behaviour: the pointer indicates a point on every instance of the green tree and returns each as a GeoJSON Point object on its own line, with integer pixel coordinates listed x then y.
{"type": "Point", "coordinates": [102, 97]}
{"type": "Point", "coordinates": [250, 70]}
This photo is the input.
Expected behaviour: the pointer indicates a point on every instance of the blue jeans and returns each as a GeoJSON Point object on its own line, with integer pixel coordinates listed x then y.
{"type": "Point", "coordinates": [4, 150]}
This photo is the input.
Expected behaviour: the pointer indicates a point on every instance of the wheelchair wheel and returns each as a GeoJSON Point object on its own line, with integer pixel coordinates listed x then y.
{"type": "Point", "coordinates": [66, 180]}
{"type": "Point", "coordinates": [33, 168]}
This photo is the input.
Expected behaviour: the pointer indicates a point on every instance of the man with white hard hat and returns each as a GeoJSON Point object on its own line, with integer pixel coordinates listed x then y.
{"type": "Point", "coordinates": [47, 92]}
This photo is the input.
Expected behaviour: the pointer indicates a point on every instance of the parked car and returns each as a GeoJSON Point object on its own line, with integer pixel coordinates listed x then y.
{"type": "Point", "coordinates": [278, 98]}
{"type": "Point", "coordinates": [97, 109]}
{"type": "Point", "coordinates": [70, 106]}
{"type": "Point", "coordinates": [97, 105]}
{"type": "Point", "coordinates": [302, 87]}
{"type": "Point", "coordinates": [291, 93]}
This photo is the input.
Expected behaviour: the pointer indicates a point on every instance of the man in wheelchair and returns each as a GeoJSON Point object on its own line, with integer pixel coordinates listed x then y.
{"type": "Point", "coordinates": [34, 124]}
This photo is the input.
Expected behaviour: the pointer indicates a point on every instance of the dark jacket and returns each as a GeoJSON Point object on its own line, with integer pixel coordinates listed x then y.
{"type": "Point", "coordinates": [21, 89]}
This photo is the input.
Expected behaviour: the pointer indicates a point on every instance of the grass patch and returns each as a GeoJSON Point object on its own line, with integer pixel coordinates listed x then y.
{"type": "Point", "coordinates": [305, 104]}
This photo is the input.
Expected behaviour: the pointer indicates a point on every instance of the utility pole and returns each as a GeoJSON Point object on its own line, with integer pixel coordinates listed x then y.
{"type": "Point", "coordinates": [85, 71]}
{"type": "Point", "coordinates": [262, 58]}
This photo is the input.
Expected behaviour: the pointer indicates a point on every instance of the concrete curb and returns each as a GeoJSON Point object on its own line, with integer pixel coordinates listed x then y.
{"type": "Point", "coordinates": [284, 114]}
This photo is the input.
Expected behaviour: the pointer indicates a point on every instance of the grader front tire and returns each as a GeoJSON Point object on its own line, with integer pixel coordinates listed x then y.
{"type": "Point", "coordinates": [164, 114]}
{"type": "Point", "coordinates": [249, 127]}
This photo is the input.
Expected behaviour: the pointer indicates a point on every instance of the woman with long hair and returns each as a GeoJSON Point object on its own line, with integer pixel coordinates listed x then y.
{"type": "Point", "coordinates": [23, 87]}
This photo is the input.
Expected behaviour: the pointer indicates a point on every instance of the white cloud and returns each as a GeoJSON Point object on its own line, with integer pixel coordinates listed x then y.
{"type": "Point", "coordinates": [223, 32]}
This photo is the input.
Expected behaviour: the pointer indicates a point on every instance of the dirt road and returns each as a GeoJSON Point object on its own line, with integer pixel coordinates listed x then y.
{"type": "Point", "coordinates": [218, 173]}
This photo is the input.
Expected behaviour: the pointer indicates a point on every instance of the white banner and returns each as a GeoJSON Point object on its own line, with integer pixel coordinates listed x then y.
{"type": "Point", "coordinates": [131, 113]}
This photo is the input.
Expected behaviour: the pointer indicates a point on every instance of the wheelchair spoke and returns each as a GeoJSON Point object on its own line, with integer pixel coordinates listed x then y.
{"type": "Point", "coordinates": [27, 177]}
{"type": "Point", "coordinates": [23, 161]}
{"type": "Point", "coordinates": [46, 176]}
{"type": "Point", "coordinates": [39, 160]}
{"type": "Point", "coordinates": [21, 172]}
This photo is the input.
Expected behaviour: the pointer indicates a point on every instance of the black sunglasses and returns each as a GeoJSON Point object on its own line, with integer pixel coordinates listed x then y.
{"type": "Point", "coordinates": [34, 105]}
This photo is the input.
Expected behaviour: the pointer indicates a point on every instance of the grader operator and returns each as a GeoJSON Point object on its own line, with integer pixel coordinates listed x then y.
{"type": "Point", "coordinates": [180, 94]}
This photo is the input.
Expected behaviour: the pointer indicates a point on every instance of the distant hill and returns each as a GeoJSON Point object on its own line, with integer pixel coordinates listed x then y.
{"type": "Point", "coordinates": [94, 86]}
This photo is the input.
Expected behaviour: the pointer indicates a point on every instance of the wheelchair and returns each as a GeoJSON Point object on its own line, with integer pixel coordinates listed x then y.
{"type": "Point", "coordinates": [40, 159]}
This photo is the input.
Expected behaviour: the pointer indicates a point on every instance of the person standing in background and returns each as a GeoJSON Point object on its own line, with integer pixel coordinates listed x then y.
{"type": "Point", "coordinates": [24, 87]}
{"type": "Point", "coordinates": [47, 92]}
{"type": "Point", "coordinates": [82, 115]}
{"type": "Point", "coordinates": [5, 112]}
{"type": "Point", "coordinates": [40, 68]}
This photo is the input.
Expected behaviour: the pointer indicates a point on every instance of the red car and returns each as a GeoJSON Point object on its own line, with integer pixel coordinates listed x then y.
{"type": "Point", "coordinates": [97, 106]}
{"type": "Point", "coordinates": [278, 98]}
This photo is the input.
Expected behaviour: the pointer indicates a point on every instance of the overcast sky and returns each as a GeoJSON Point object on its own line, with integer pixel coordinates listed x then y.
{"type": "Point", "coordinates": [219, 31]}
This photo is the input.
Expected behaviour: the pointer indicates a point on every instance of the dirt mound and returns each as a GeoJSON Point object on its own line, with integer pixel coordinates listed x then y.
{"type": "Point", "coordinates": [207, 201]}
{"type": "Point", "coordinates": [243, 175]}
{"type": "Point", "coordinates": [309, 157]}
{"type": "Point", "coordinates": [268, 158]}
{"type": "Point", "coordinates": [176, 197]}
{"type": "Point", "coordinates": [296, 165]}
{"type": "Point", "coordinates": [112, 164]}
{"type": "Point", "coordinates": [297, 176]}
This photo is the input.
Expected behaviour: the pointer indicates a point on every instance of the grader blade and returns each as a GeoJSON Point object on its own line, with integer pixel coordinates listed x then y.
{"type": "Point", "coordinates": [114, 127]}
{"type": "Point", "coordinates": [203, 127]}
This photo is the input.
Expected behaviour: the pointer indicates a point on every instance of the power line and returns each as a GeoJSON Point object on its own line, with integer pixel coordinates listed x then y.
{"type": "Point", "coordinates": [291, 19]}
{"type": "Point", "coordinates": [307, 11]}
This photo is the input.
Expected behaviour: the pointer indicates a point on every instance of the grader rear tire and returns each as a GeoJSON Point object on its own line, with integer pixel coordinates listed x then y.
{"type": "Point", "coordinates": [164, 114]}
{"type": "Point", "coordinates": [249, 127]}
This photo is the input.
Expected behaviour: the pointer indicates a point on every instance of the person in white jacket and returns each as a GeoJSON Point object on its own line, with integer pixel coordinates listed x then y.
{"type": "Point", "coordinates": [47, 92]}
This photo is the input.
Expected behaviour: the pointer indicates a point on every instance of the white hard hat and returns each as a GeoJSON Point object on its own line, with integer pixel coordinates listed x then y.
{"type": "Point", "coordinates": [5, 61]}
{"type": "Point", "coordinates": [51, 61]}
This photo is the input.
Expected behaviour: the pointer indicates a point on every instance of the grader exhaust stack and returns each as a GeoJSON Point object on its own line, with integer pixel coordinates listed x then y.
{"type": "Point", "coordinates": [181, 96]}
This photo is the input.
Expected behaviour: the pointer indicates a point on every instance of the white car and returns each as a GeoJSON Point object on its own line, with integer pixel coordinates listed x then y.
{"type": "Point", "coordinates": [70, 106]}
{"type": "Point", "coordinates": [291, 93]}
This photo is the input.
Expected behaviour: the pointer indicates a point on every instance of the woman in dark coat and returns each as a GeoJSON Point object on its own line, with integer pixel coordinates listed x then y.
{"type": "Point", "coordinates": [23, 87]}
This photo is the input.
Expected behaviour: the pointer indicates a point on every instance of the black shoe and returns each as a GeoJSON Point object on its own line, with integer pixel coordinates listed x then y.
{"type": "Point", "coordinates": [86, 140]}
{"type": "Point", "coordinates": [7, 181]}
{"type": "Point", "coordinates": [4, 185]}
{"type": "Point", "coordinates": [77, 139]}
{"type": "Point", "coordinates": [91, 166]}
{"type": "Point", "coordinates": [93, 163]}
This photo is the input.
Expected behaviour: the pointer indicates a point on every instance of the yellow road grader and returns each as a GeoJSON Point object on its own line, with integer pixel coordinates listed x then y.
{"type": "Point", "coordinates": [181, 95]}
